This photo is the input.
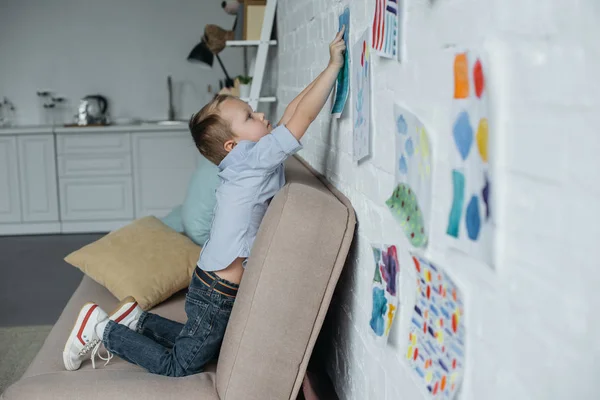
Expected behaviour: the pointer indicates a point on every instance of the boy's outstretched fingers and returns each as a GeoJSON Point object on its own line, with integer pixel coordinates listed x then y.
{"type": "Point", "coordinates": [340, 34]}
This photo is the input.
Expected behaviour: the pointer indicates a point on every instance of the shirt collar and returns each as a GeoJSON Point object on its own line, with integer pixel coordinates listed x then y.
{"type": "Point", "coordinates": [237, 154]}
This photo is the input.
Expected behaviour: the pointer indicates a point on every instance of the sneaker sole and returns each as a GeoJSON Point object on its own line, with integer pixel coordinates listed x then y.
{"type": "Point", "coordinates": [73, 336]}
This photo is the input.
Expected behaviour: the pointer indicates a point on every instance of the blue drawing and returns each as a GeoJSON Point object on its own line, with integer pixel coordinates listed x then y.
{"type": "Point", "coordinates": [379, 306]}
{"type": "Point", "coordinates": [473, 219]}
{"type": "Point", "coordinates": [458, 183]}
{"type": "Point", "coordinates": [401, 126]}
{"type": "Point", "coordinates": [360, 120]}
{"type": "Point", "coordinates": [409, 147]}
{"type": "Point", "coordinates": [343, 80]}
{"type": "Point", "coordinates": [463, 134]}
{"type": "Point", "coordinates": [402, 165]}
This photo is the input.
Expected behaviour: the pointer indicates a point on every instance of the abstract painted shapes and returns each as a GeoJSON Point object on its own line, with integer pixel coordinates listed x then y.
{"type": "Point", "coordinates": [482, 139]}
{"type": "Point", "coordinates": [458, 199]}
{"type": "Point", "coordinates": [413, 177]}
{"type": "Point", "coordinates": [473, 219]}
{"type": "Point", "coordinates": [361, 73]}
{"type": "Point", "coordinates": [385, 289]}
{"type": "Point", "coordinates": [470, 217]}
{"type": "Point", "coordinates": [485, 195]}
{"type": "Point", "coordinates": [409, 147]}
{"type": "Point", "coordinates": [478, 78]}
{"type": "Point", "coordinates": [385, 30]}
{"type": "Point", "coordinates": [403, 166]}
{"type": "Point", "coordinates": [401, 126]}
{"type": "Point", "coordinates": [343, 80]}
{"type": "Point", "coordinates": [405, 208]}
{"type": "Point", "coordinates": [461, 76]}
{"type": "Point", "coordinates": [463, 134]}
{"type": "Point", "coordinates": [436, 340]}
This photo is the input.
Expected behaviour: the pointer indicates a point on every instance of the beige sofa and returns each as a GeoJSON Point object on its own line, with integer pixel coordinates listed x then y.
{"type": "Point", "coordinates": [289, 281]}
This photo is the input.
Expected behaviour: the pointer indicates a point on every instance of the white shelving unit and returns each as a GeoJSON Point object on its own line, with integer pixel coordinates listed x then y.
{"type": "Point", "coordinates": [261, 56]}
{"type": "Point", "coordinates": [237, 43]}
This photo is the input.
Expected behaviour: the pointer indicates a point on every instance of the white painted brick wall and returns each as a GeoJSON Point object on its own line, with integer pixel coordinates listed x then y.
{"type": "Point", "coordinates": [531, 328]}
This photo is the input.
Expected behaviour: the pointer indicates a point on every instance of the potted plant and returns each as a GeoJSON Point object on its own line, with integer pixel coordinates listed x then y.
{"type": "Point", "coordinates": [245, 82]}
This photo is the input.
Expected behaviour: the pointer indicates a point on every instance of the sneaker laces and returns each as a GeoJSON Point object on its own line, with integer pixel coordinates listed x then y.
{"type": "Point", "coordinates": [94, 345]}
{"type": "Point", "coordinates": [96, 352]}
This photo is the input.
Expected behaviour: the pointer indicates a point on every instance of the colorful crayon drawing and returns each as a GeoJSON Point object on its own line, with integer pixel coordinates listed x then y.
{"type": "Point", "coordinates": [470, 213]}
{"type": "Point", "coordinates": [361, 72]}
{"type": "Point", "coordinates": [385, 289]}
{"type": "Point", "coordinates": [411, 201]}
{"type": "Point", "coordinates": [385, 35]}
{"type": "Point", "coordinates": [343, 80]}
{"type": "Point", "coordinates": [436, 341]}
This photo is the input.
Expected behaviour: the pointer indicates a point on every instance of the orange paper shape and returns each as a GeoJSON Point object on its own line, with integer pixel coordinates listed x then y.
{"type": "Point", "coordinates": [461, 76]}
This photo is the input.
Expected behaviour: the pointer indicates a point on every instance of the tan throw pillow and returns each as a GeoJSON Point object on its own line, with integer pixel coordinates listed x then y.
{"type": "Point", "coordinates": [145, 259]}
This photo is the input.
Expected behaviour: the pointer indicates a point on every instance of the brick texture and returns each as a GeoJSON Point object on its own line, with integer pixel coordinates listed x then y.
{"type": "Point", "coordinates": [531, 331]}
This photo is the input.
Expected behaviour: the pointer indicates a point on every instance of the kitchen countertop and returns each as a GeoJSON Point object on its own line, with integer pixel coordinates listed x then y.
{"type": "Point", "coordinates": [41, 129]}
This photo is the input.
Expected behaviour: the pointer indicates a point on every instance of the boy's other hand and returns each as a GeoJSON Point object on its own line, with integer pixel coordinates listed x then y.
{"type": "Point", "coordinates": [337, 49]}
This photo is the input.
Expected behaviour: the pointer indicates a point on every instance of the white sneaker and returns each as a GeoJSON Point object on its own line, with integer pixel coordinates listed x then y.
{"type": "Point", "coordinates": [83, 338]}
{"type": "Point", "coordinates": [127, 313]}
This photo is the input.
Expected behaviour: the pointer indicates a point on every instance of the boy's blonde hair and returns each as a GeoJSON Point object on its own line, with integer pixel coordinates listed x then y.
{"type": "Point", "coordinates": [210, 131]}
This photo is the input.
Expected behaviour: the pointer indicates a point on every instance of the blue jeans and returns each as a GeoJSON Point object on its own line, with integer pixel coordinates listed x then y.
{"type": "Point", "coordinates": [170, 348]}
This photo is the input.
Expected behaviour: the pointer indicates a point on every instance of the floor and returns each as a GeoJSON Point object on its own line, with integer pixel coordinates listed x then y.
{"type": "Point", "coordinates": [18, 347]}
{"type": "Point", "coordinates": [35, 282]}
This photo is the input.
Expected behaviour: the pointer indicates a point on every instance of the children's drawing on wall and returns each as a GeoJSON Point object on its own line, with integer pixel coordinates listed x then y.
{"type": "Point", "coordinates": [343, 80]}
{"type": "Point", "coordinates": [410, 202]}
{"type": "Point", "coordinates": [361, 73]}
{"type": "Point", "coordinates": [470, 217]}
{"type": "Point", "coordinates": [385, 289]}
{"type": "Point", "coordinates": [385, 32]}
{"type": "Point", "coordinates": [436, 339]}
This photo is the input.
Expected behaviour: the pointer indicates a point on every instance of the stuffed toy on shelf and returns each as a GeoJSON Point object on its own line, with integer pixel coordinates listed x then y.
{"type": "Point", "coordinates": [231, 6]}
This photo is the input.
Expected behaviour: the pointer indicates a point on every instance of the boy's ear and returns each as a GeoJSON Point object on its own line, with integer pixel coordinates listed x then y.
{"type": "Point", "coordinates": [229, 145]}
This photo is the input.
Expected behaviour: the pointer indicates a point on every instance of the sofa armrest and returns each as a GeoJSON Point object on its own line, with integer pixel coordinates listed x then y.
{"type": "Point", "coordinates": [112, 384]}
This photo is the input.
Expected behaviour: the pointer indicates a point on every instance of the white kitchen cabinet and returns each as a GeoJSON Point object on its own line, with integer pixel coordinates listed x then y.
{"type": "Point", "coordinates": [10, 199]}
{"type": "Point", "coordinates": [96, 199]}
{"type": "Point", "coordinates": [95, 180]}
{"type": "Point", "coordinates": [163, 163]}
{"type": "Point", "coordinates": [91, 179]}
{"type": "Point", "coordinates": [37, 173]}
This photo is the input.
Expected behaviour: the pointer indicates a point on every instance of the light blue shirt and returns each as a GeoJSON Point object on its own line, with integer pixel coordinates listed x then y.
{"type": "Point", "coordinates": [251, 174]}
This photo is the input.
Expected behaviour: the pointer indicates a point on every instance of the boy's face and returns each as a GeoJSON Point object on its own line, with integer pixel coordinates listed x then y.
{"type": "Point", "coordinates": [245, 123]}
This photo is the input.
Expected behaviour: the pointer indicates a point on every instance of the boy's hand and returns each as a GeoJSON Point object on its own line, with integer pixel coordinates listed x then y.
{"type": "Point", "coordinates": [337, 49]}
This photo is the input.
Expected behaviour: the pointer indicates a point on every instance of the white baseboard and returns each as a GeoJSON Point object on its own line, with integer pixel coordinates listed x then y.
{"type": "Point", "coordinates": [92, 226]}
{"type": "Point", "coordinates": [30, 228]}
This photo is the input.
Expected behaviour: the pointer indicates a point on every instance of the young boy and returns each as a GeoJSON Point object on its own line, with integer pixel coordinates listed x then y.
{"type": "Point", "coordinates": [250, 155]}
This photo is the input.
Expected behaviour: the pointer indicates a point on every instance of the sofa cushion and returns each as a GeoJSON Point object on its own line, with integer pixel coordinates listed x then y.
{"type": "Point", "coordinates": [145, 259]}
{"type": "Point", "coordinates": [46, 377]}
{"type": "Point", "coordinates": [296, 260]}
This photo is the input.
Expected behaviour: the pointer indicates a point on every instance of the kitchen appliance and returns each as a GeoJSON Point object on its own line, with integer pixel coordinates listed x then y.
{"type": "Point", "coordinates": [93, 110]}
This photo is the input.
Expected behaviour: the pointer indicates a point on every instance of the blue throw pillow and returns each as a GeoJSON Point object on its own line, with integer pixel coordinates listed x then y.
{"type": "Point", "coordinates": [199, 205]}
{"type": "Point", "coordinates": [173, 220]}
{"type": "Point", "coordinates": [195, 215]}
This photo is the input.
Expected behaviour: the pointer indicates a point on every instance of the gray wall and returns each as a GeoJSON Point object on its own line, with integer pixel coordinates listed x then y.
{"type": "Point", "coordinates": [123, 49]}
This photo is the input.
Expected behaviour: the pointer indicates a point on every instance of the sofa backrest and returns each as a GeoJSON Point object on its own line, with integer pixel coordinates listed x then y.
{"type": "Point", "coordinates": [296, 261]}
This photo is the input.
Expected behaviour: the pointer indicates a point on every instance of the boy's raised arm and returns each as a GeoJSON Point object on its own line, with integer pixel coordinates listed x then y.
{"type": "Point", "coordinates": [313, 101]}
{"type": "Point", "coordinates": [291, 108]}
